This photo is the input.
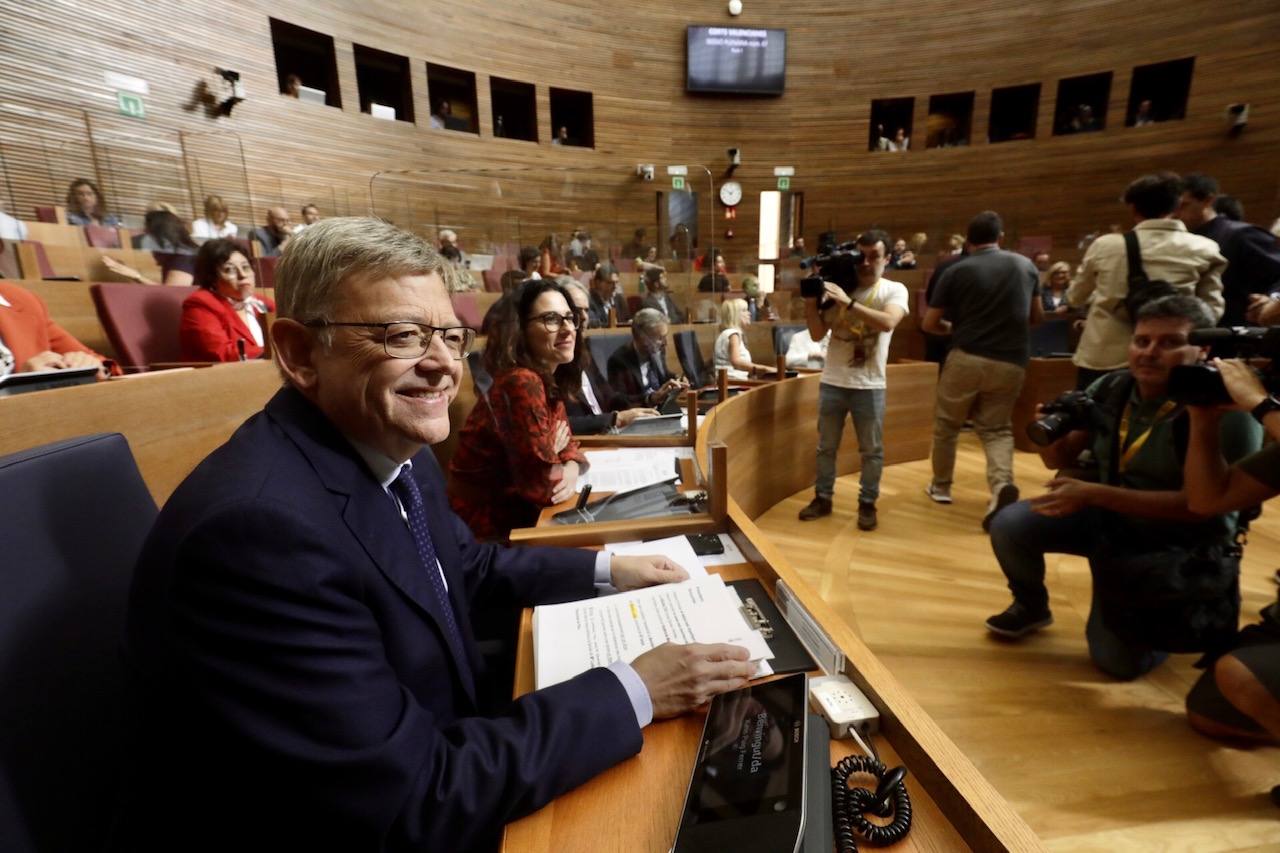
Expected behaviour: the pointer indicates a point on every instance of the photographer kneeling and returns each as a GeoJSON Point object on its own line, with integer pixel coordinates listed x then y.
{"type": "Point", "coordinates": [1238, 696]}
{"type": "Point", "coordinates": [1133, 524]}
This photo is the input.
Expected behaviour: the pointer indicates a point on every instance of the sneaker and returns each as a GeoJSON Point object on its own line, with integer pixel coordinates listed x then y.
{"type": "Point", "coordinates": [938, 494]}
{"type": "Point", "coordinates": [817, 508]}
{"type": "Point", "coordinates": [1017, 621]}
{"type": "Point", "coordinates": [866, 516]}
{"type": "Point", "coordinates": [1005, 495]}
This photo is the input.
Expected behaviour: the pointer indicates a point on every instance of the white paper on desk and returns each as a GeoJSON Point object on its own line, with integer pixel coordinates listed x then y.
{"type": "Point", "coordinates": [570, 638]}
{"type": "Point", "coordinates": [676, 548]}
{"type": "Point", "coordinates": [629, 468]}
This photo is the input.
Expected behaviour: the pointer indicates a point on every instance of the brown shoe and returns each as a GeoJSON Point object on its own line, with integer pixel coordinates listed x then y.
{"type": "Point", "coordinates": [817, 508]}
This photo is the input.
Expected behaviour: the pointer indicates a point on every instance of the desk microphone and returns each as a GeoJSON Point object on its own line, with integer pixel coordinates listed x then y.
{"type": "Point", "coordinates": [582, 497]}
{"type": "Point", "coordinates": [240, 348]}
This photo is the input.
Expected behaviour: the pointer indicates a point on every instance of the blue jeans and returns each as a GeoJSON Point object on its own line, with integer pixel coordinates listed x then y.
{"type": "Point", "coordinates": [866, 407]}
{"type": "Point", "coordinates": [1021, 538]}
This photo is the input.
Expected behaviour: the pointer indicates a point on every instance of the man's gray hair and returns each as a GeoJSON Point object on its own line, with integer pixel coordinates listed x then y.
{"type": "Point", "coordinates": [317, 262]}
{"type": "Point", "coordinates": [571, 282]}
{"type": "Point", "coordinates": [1181, 306]}
{"type": "Point", "coordinates": [647, 320]}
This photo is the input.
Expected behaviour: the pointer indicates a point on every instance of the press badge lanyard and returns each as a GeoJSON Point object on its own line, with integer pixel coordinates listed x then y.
{"type": "Point", "coordinates": [871, 298]}
{"type": "Point", "coordinates": [1127, 453]}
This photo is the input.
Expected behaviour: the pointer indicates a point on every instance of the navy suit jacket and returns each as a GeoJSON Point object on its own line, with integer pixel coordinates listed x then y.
{"type": "Point", "coordinates": [294, 686]}
{"type": "Point", "coordinates": [625, 377]}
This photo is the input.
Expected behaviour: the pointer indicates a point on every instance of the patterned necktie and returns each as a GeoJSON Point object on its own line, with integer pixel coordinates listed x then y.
{"type": "Point", "coordinates": [411, 499]}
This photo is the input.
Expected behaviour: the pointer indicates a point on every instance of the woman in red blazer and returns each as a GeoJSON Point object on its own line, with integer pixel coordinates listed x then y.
{"type": "Point", "coordinates": [224, 311]}
{"type": "Point", "coordinates": [30, 340]}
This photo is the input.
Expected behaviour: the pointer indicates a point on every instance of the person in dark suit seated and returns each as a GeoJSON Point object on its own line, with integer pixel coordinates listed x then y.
{"type": "Point", "coordinates": [596, 407]}
{"type": "Point", "coordinates": [299, 630]}
{"type": "Point", "coordinates": [639, 371]}
{"type": "Point", "coordinates": [273, 236]}
{"type": "Point", "coordinates": [223, 320]}
{"type": "Point", "coordinates": [659, 295]}
{"type": "Point", "coordinates": [30, 340]}
{"type": "Point", "coordinates": [515, 453]}
{"type": "Point", "coordinates": [605, 292]}
{"type": "Point", "coordinates": [715, 282]}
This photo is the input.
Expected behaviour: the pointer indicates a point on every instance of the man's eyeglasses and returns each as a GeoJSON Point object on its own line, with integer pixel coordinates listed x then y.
{"type": "Point", "coordinates": [402, 339]}
{"type": "Point", "coordinates": [553, 322]}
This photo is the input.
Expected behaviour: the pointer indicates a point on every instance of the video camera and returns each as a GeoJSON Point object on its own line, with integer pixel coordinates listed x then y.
{"type": "Point", "coordinates": [1201, 384]}
{"type": "Point", "coordinates": [836, 263]}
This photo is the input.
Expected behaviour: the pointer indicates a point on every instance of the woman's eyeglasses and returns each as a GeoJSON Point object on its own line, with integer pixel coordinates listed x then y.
{"type": "Point", "coordinates": [553, 322]}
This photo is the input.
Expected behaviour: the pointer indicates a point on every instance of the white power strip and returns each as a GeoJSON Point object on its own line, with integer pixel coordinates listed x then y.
{"type": "Point", "coordinates": [842, 705]}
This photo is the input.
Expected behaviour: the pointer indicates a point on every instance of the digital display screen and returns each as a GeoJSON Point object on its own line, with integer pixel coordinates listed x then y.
{"type": "Point", "coordinates": [752, 758]}
{"type": "Point", "coordinates": [736, 60]}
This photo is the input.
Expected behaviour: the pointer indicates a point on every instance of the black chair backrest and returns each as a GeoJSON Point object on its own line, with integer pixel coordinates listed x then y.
{"type": "Point", "coordinates": [73, 516]}
{"type": "Point", "coordinates": [690, 355]}
{"type": "Point", "coordinates": [782, 335]}
{"type": "Point", "coordinates": [603, 347]}
{"type": "Point", "coordinates": [1051, 338]}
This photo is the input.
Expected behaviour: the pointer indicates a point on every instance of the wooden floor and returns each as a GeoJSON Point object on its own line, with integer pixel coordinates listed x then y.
{"type": "Point", "coordinates": [1090, 763]}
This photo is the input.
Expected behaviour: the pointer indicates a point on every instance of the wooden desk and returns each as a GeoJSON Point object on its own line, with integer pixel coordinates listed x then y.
{"type": "Point", "coordinates": [636, 806]}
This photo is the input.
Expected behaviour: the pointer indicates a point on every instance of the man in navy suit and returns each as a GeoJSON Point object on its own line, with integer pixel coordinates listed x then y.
{"type": "Point", "coordinates": [300, 623]}
{"type": "Point", "coordinates": [639, 372]}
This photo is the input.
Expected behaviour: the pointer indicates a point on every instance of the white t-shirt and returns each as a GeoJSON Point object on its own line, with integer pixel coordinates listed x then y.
{"type": "Point", "coordinates": [11, 229]}
{"type": "Point", "coordinates": [203, 229]}
{"type": "Point", "coordinates": [857, 355]}
{"type": "Point", "coordinates": [721, 353]}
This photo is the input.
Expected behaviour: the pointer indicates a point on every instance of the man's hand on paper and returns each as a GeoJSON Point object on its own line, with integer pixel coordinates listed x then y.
{"type": "Point", "coordinates": [683, 677]}
{"type": "Point", "coordinates": [626, 573]}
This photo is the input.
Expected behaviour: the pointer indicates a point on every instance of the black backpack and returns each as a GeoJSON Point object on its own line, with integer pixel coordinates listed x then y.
{"type": "Point", "coordinates": [1141, 289]}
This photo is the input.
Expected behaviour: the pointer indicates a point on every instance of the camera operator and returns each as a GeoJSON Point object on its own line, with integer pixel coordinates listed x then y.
{"type": "Point", "coordinates": [1238, 697]}
{"type": "Point", "coordinates": [860, 310]}
{"type": "Point", "coordinates": [1133, 523]}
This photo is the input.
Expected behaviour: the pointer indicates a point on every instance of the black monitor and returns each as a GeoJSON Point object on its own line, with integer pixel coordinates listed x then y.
{"type": "Point", "coordinates": [736, 60]}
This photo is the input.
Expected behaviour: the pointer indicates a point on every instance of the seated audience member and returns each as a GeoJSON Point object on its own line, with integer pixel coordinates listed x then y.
{"type": "Point", "coordinates": [902, 258]}
{"type": "Point", "coordinates": [1230, 207]}
{"type": "Point", "coordinates": [658, 295]}
{"type": "Point", "coordinates": [215, 222]}
{"type": "Point", "coordinates": [301, 625]}
{"type": "Point", "coordinates": [954, 246]}
{"type": "Point", "coordinates": [512, 279]}
{"type": "Point", "coordinates": [550, 263]}
{"type": "Point", "coordinates": [457, 279]}
{"type": "Point", "coordinates": [448, 238]}
{"type": "Point", "coordinates": [176, 268]}
{"type": "Point", "coordinates": [530, 258]}
{"type": "Point", "coordinates": [637, 246]}
{"type": "Point", "coordinates": [451, 254]}
{"type": "Point", "coordinates": [1053, 289]}
{"type": "Point", "coordinates": [580, 250]}
{"type": "Point", "coordinates": [164, 231]}
{"type": "Point", "coordinates": [1137, 506]}
{"type": "Point", "coordinates": [900, 141]}
{"type": "Point", "coordinates": [1142, 116]}
{"type": "Point", "coordinates": [86, 206]}
{"type": "Point", "coordinates": [715, 282]}
{"type": "Point", "coordinates": [1189, 263]}
{"type": "Point", "coordinates": [639, 372]}
{"type": "Point", "coordinates": [1238, 697]}
{"type": "Point", "coordinates": [606, 293]}
{"type": "Point", "coordinates": [804, 351]}
{"type": "Point", "coordinates": [730, 350]}
{"type": "Point", "coordinates": [29, 340]}
{"type": "Point", "coordinates": [797, 248]}
{"type": "Point", "coordinates": [516, 454]}
{"type": "Point", "coordinates": [274, 236]}
{"type": "Point", "coordinates": [1043, 262]}
{"type": "Point", "coordinates": [310, 216]}
{"type": "Point", "coordinates": [649, 258]}
{"type": "Point", "coordinates": [223, 320]}
{"type": "Point", "coordinates": [1253, 260]}
{"type": "Point", "coordinates": [12, 229]}
{"type": "Point", "coordinates": [596, 407]}
{"type": "Point", "coordinates": [759, 308]}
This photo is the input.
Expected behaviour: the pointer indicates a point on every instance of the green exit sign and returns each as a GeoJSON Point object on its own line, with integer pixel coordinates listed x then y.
{"type": "Point", "coordinates": [131, 105]}
{"type": "Point", "coordinates": [784, 183]}
{"type": "Point", "coordinates": [677, 182]}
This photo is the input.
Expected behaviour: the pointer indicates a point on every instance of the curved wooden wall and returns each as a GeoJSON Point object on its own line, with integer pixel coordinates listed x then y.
{"type": "Point", "coordinates": [53, 98]}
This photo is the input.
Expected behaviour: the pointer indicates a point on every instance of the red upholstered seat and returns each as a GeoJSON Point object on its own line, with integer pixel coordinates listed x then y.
{"type": "Point", "coordinates": [467, 307]}
{"type": "Point", "coordinates": [102, 237]}
{"type": "Point", "coordinates": [634, 303]}
{"type": "Point", "coordinates": [141, 321]}
{"type": "Point", "coordinates": [492, 280]}
{"type": "Point", "coordinates": [46, 213]}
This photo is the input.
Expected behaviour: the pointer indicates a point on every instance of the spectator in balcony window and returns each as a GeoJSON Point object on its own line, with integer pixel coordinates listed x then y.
{"type": "Point", "coordinates": [292, 85]}
{"type": "Point", "coordinates": [900, 141]}
{"type": "Point", "coordinates": [274, 236]}
{"type": "Point", "coordinates": [223, 315]}
{"type": "Point", "coordinates": [562, 137]}
{"type": "Point", "coordinates": [440, 118]}
{"type": "Point", "coordinates": [86, 205]}
{"type": "Point", "coordinates": [1143, 116]}
{"type": "Point", "coordinates": [1083, 121]}
{"type": "Point", "coordinates": [215, 222]}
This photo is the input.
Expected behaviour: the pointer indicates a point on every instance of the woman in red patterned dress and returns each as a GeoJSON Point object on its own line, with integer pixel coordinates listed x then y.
{"type": "Point", "coordinates": [516, 454]}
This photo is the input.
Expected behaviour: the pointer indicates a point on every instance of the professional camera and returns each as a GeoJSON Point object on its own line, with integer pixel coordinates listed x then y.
{"type": "Point", "coordinates": [1201, 384]}
{"type": "Point", "coordinates": [1072, 410]}
{"type": "Point", "coordinates": [837, 264]}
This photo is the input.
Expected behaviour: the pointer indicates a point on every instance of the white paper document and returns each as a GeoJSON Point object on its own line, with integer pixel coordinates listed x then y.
{"type": "Point", "coordinates": [677, 549]}
{"type": "Point", "coordinates": [570, 638]}
{"type": "Point", "coordinates": [631, 467]}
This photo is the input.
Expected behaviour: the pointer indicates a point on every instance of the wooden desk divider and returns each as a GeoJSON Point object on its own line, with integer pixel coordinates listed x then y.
{"type": "Point", "coordinates": [718, 482]}
{"type": "Point", "coordinates": [722, 383]}
{"type": "Point", "coordinates": [780, 367]}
